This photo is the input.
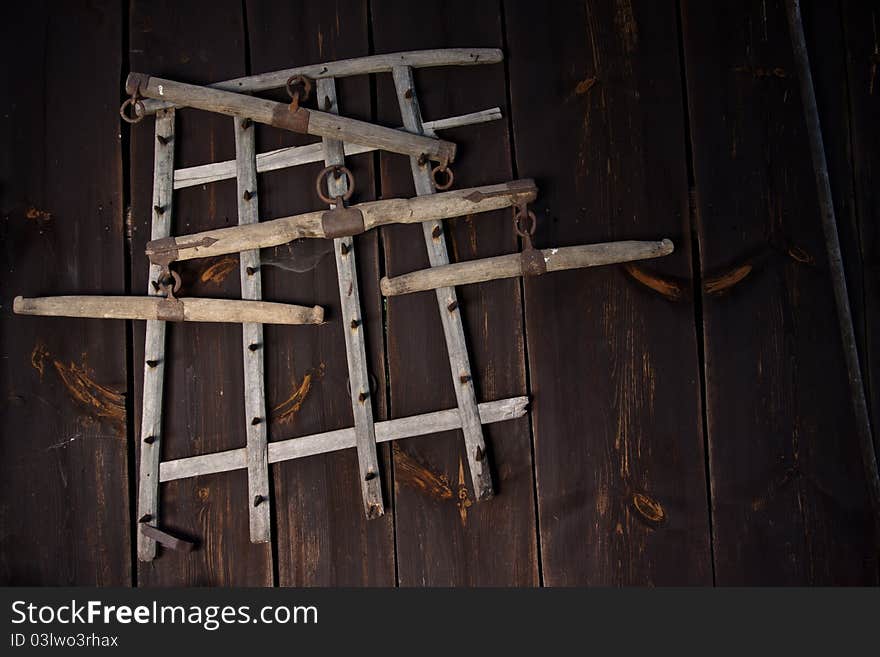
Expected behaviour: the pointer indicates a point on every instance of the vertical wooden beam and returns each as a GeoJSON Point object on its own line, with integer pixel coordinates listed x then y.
{"type": "Point", "coordinates": [259, 503]}
{"type": "Point", "coordinates": [150, 438]}
{"type": "Point", "coordinates": [352, 324]}
{"type": "Point", "coordinates": [447, 302]}
{"type": "Point", "coordinates": [613, 352]}
{"type": "Point", "coordinates": [789, 497]}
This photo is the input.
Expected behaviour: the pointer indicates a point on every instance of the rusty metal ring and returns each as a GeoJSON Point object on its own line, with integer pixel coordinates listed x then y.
{"type": "Point", "coordinates": [450, 177]}
{"type": "Point", "coordinates": [138, 108]}
{"type": "Point", "coordinates": [337, 169]}
{"type": "Point", "coordinates": [297, 96]}
{"type": "Point", "coordinates": [525, 230]}
{"type": "Point", "coordinates": [164, 285]}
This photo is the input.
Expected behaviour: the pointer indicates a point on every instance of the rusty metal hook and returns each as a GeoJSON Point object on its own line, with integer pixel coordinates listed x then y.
{"type": "Point", "coordinates": [337, 170]}
{"type": "Point", "coordinates": [169, 283]}
{"type": "Point", "coordinates": [298, 96]}
{"type": "Point", "coordinates": [137, 107]}
{"type": "Point", "coordinates": [524, 222]}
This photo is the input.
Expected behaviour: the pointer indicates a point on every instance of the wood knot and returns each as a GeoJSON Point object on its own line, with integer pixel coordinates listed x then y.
{"type": "Point", "coordinates": [649, 510]}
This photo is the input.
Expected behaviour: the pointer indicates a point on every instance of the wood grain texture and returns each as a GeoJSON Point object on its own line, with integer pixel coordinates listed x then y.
{"type": "Point", "coordinates": [788, 491]}
{"type": "Point", "coordinates": [445, 538]}
{"type": "Point", "coordinates": [323, 536]}
{"type": "Point", "coordinates": [64, 497]}
{"type": "Point", "coordinates": [613, 366]}
{"type": "Point", "coordinates": [204, 378]}
{"type": "Point", "coordinates": [861, 239]}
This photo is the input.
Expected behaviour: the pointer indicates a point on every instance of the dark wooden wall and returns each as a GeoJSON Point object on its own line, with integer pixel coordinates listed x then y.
{"type": "Point", "coordinates": [690, 422]}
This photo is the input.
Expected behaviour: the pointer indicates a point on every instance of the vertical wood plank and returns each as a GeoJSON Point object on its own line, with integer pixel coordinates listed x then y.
{"type": "Point", "coordinates": [323, 536]}
{"type": "Point", "coordinates": [150, 439]}
{"type": "Point", "coordinates": [447, 301]}
{"type": "Point", "coordinates": [350, 306]}
{"type": "Point", "coordinates": [259, 501]}
{"type": "Point", "coordinates": [598, 122]}
{"type": "Point", "coordinates": [64, 497]}
{"type": "Point", "coordinates": [444, 537]}
{"type": "Point", "coordinates": [203, 409]}
{"type": "Point", "coordinates": [861, 32]}
{"type": "Point", "coordinates": [788, 491]}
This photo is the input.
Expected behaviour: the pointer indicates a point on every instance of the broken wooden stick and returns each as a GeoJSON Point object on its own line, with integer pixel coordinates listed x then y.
{"type": "Point", "coordinates": [291, 117]}
{"type": "Point", "coordinates": [347, 68]}
{"type": "Point", "coordinates": [331, 441]}
{"type": "Point", "coordinates": [187, 309]}
{"type": "Point", "coordinates": [319, 225]}
{"type": "Point", "coordinates": [510, 266]}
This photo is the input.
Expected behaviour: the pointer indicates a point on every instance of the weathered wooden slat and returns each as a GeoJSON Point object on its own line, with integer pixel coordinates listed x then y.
{"type": "Point", "coordinates": [352, 321]}
{"type": "Point", "coordinates": [789, 497]}
{"type": "Point", "coordinates": [350, 67]}
{"type": "Point", "coordinates": [330, 441]}
{"type": "Point", "coordinates": [184, 309]}
{"type": "Point", "coordinates": [64, 469]}
{"type": "Point", "coordinates": [282, 115]}
{"type": "Point", "coordinates": [447, 302]}
{"type": "Point", "coordinates": [204, 388]}
{"type": "Point", "coordinates": [323, 536]}
{"type": "Point", "coordinates": [275, 232]}
{"type": "Point", "coordinates": [259, 500]}
{"type": "Point", "coordinates": [151, 438]}
{"type": "Point", "coordinates": [613, 363]}
{"type": "Point", "coordinates": [292, 156]}
{"type": "Point", "coordinates": [510, 266]}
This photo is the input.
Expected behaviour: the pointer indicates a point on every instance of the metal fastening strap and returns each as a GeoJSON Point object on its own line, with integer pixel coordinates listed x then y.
{"type": "Point", "coordinates": [170, 310]}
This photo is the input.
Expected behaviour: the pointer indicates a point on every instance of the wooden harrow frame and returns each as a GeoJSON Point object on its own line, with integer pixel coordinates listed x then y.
{"type": "Point", "coordinates": [340, 137]}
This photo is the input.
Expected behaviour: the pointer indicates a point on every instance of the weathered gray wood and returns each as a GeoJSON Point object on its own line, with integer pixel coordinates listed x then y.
{"type": "Point", "coordinates": [350, 67]}
{"type": "Point", "coordinates": [291, 156]}
{"type": "Point", "coordinates": [150, 439]}
{"type": "Point", "coordinates": [282, 115]}
{"type": "Point", "coordinates": [509, 266]}
{"type": "Point", "coordinates": [259, 502]}
{"type": "Point", "coordinates": [331, 441]}
{"type": "Point", "coordinates": [456, 346]}
{"type": "Point", "coordinates": [352, 321]}
{"type": "Point", "coordinates": [190, 309]}
{"type": "Point", "coordinates": [375, 213]}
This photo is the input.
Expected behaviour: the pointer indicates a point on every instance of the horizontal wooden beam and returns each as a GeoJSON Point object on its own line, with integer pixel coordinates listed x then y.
{"type": "Point", "coordinates": [187, 309]}
{"type": "Point", "coordinates": [374, 213]}
{"type": "Point", "coordinates": [349, 67]}
{"type": "Point", "coordinates": [509, 266]}
{"type": "Point", "coordinates": [287, 117]}
{"type": "Point", "coordinates": [331, 441]}
{"type": "Point", "coordinates": [291, 156]}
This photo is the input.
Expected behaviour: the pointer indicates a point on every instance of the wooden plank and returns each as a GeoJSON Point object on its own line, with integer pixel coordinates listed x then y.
{"type": "Point", "coordinates": [330, 441]}
{"type": "Point", "coordinates": [788, 493]}
{"type": "Point", "coordinates": [354, 66]}
{"type": "Point", "coordinates": [64, 457]}
{"type": "Point", "coordinates": [323, 536]}
{"type": "Point", "coordinates": [860, 239]}
{"type": "Point", "coordinates": [514, 265]}
{"type": "Point", "coordinates": [613, 363]}
{"type": "Point", "coordinates": [355, 343]}
{"type": "Point", "coordinates": [204, 386]}
{"type": "Point", "coordinates": [259, 499]}
{"type": "Point", "coordinates": [447, 301]}
{"type": "Point", "coordinates": [443, 536]}
{"type": "Point", "coordinates": [283, 115]}
{"type": "Point", "coordinates": [275, 232]}
{"type": "Point", "coordinates": [282, 158]}
{"type": "Point", "coordinates": [151, 438]}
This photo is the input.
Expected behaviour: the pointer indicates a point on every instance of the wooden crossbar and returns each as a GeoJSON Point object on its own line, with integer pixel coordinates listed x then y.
{"type": "Point", "coordinates": [350, 67]}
